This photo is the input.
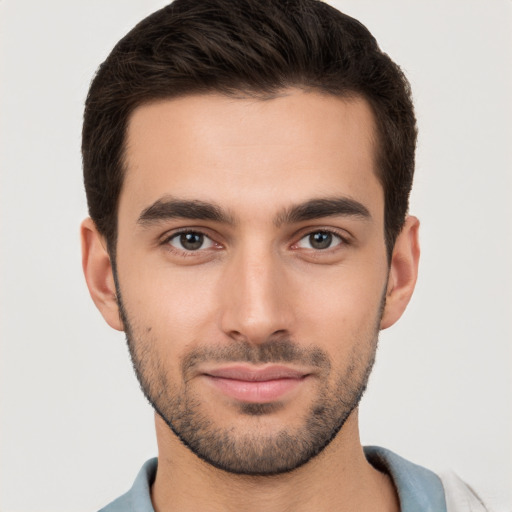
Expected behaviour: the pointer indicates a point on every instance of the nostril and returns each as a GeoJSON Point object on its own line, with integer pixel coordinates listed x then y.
{"type": "Point", "coordinates": [238, 336]}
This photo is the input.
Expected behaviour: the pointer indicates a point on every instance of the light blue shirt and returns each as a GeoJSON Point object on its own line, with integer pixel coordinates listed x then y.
{"type": "Point", "coordinates": [419, 490]}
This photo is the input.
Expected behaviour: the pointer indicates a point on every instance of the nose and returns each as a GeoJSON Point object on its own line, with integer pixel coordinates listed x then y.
{"type": "Point", "coordinates": [255, 297]}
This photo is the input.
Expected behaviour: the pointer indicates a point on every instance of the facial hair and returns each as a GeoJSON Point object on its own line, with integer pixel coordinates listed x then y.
{"type": "Point", "coordinates": [255, 453]}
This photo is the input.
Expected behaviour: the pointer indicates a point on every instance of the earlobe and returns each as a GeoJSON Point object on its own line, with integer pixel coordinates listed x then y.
{"type": "Point", "coordinates": [403, 272]}
{"type": "Point", "coordinates": [98, 273]}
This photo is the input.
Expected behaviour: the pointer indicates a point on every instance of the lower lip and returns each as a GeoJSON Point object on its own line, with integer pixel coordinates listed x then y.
{"type": "Point", "coordinates": [255, 391]}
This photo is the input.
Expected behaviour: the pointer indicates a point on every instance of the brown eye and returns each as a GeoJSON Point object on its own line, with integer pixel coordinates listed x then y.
{"type": "Point", "coordinates": [190, 241]}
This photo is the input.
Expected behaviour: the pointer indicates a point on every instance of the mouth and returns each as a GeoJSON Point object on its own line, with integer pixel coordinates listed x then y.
{"type": "Point", "coordinates": [256, 385]}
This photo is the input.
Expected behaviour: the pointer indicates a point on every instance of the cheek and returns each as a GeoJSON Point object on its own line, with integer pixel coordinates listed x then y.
{"type": "Point", "coordinates": [342, 310]}
{"type": "Point", "coordinates": [175, 306]}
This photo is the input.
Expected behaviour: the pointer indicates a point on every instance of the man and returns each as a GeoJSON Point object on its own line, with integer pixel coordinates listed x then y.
{"type": "Point", "coordinates": [247, 167]}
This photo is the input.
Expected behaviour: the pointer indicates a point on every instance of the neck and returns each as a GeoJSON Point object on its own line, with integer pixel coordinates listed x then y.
{"type": "Point", "coordinates": [338, 479]}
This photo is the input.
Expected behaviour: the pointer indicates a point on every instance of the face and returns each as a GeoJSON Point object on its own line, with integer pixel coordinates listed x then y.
{"type": "Point", "coordinates": [252, 270]}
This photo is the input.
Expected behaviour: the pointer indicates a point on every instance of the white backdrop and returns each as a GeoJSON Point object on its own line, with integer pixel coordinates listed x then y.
{"type": "Point", "coordinates": [74, 426]}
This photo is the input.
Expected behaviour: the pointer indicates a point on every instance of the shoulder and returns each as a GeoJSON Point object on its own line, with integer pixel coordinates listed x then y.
{"type": "Point", "coordinates": [121, 504]}
{"type": "Point", "coordinates": [138, 498]}
{"type": "Point", "coordinates": [420, 489]}
{"type": "Point", "coordinates": [460, 497]}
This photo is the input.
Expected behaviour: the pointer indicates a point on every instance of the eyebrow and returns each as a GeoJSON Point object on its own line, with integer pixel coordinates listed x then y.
{"type": "Point", "coordinates": [170, 208]}
{"type": "Point", "coordinates": [319, 208]}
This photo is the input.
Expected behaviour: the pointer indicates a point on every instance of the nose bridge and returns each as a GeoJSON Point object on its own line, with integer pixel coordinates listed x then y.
{"type": "Point", "coordinates": [254, 305]}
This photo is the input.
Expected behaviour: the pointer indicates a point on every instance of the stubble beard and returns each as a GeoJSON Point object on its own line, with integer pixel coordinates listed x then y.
{"type": "Point", "coordinates": [253, 453]}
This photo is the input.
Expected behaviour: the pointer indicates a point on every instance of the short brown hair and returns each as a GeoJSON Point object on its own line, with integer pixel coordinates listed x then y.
{"type": "Point", "coordinates": [245, 47]}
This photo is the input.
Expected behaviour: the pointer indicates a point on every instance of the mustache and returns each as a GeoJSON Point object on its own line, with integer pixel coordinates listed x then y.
{"type": "Point", "coordinates": [271, 351]}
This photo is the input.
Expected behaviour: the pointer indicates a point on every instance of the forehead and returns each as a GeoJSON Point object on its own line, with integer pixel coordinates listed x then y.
{"type": "Point", "coordinates": [251, 152]}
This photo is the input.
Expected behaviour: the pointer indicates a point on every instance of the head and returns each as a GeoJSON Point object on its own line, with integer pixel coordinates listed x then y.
{"type": "Point", "coordinates": [247, 167]}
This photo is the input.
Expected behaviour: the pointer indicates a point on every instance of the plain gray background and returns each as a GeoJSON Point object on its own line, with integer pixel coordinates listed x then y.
{"type": "Point", "coordinates": [74, 427]}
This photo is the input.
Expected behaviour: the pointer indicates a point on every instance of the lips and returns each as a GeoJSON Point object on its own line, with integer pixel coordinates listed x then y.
{"type": "Point", "coordinates": [255, 385]}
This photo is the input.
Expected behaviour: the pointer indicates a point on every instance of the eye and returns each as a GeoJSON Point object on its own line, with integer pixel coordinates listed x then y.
{"type": "Point", "coordinates": [190, 241]}
{"type": "Point", "coordinates": [320, 240]}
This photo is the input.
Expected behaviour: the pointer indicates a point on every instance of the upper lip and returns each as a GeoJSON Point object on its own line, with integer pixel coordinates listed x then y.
{"type": "Point", "coordinates": [255, 374]}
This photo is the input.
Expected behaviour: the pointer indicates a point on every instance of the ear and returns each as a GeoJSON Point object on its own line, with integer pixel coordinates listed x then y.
{"type": "Point", "coordinates": [98, 273]}
{"type": "Point", "coordinates": [403, 272]}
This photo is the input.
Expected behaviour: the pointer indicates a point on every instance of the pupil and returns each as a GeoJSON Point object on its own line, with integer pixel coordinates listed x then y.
{"type": "Point", "coordinates": [191, 241]}
{"type": "Point", "coordinates": [320, 240]}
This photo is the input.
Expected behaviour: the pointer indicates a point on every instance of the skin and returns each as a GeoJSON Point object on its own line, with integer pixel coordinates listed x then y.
{"type": "Point", "coordinates": [257, 277]}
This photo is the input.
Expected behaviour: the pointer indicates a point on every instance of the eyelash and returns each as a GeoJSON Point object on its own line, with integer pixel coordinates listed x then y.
{"type": "Point", "coordinates": [343, 240]}
{"type": "Point", "coordinates": [183, 252]}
